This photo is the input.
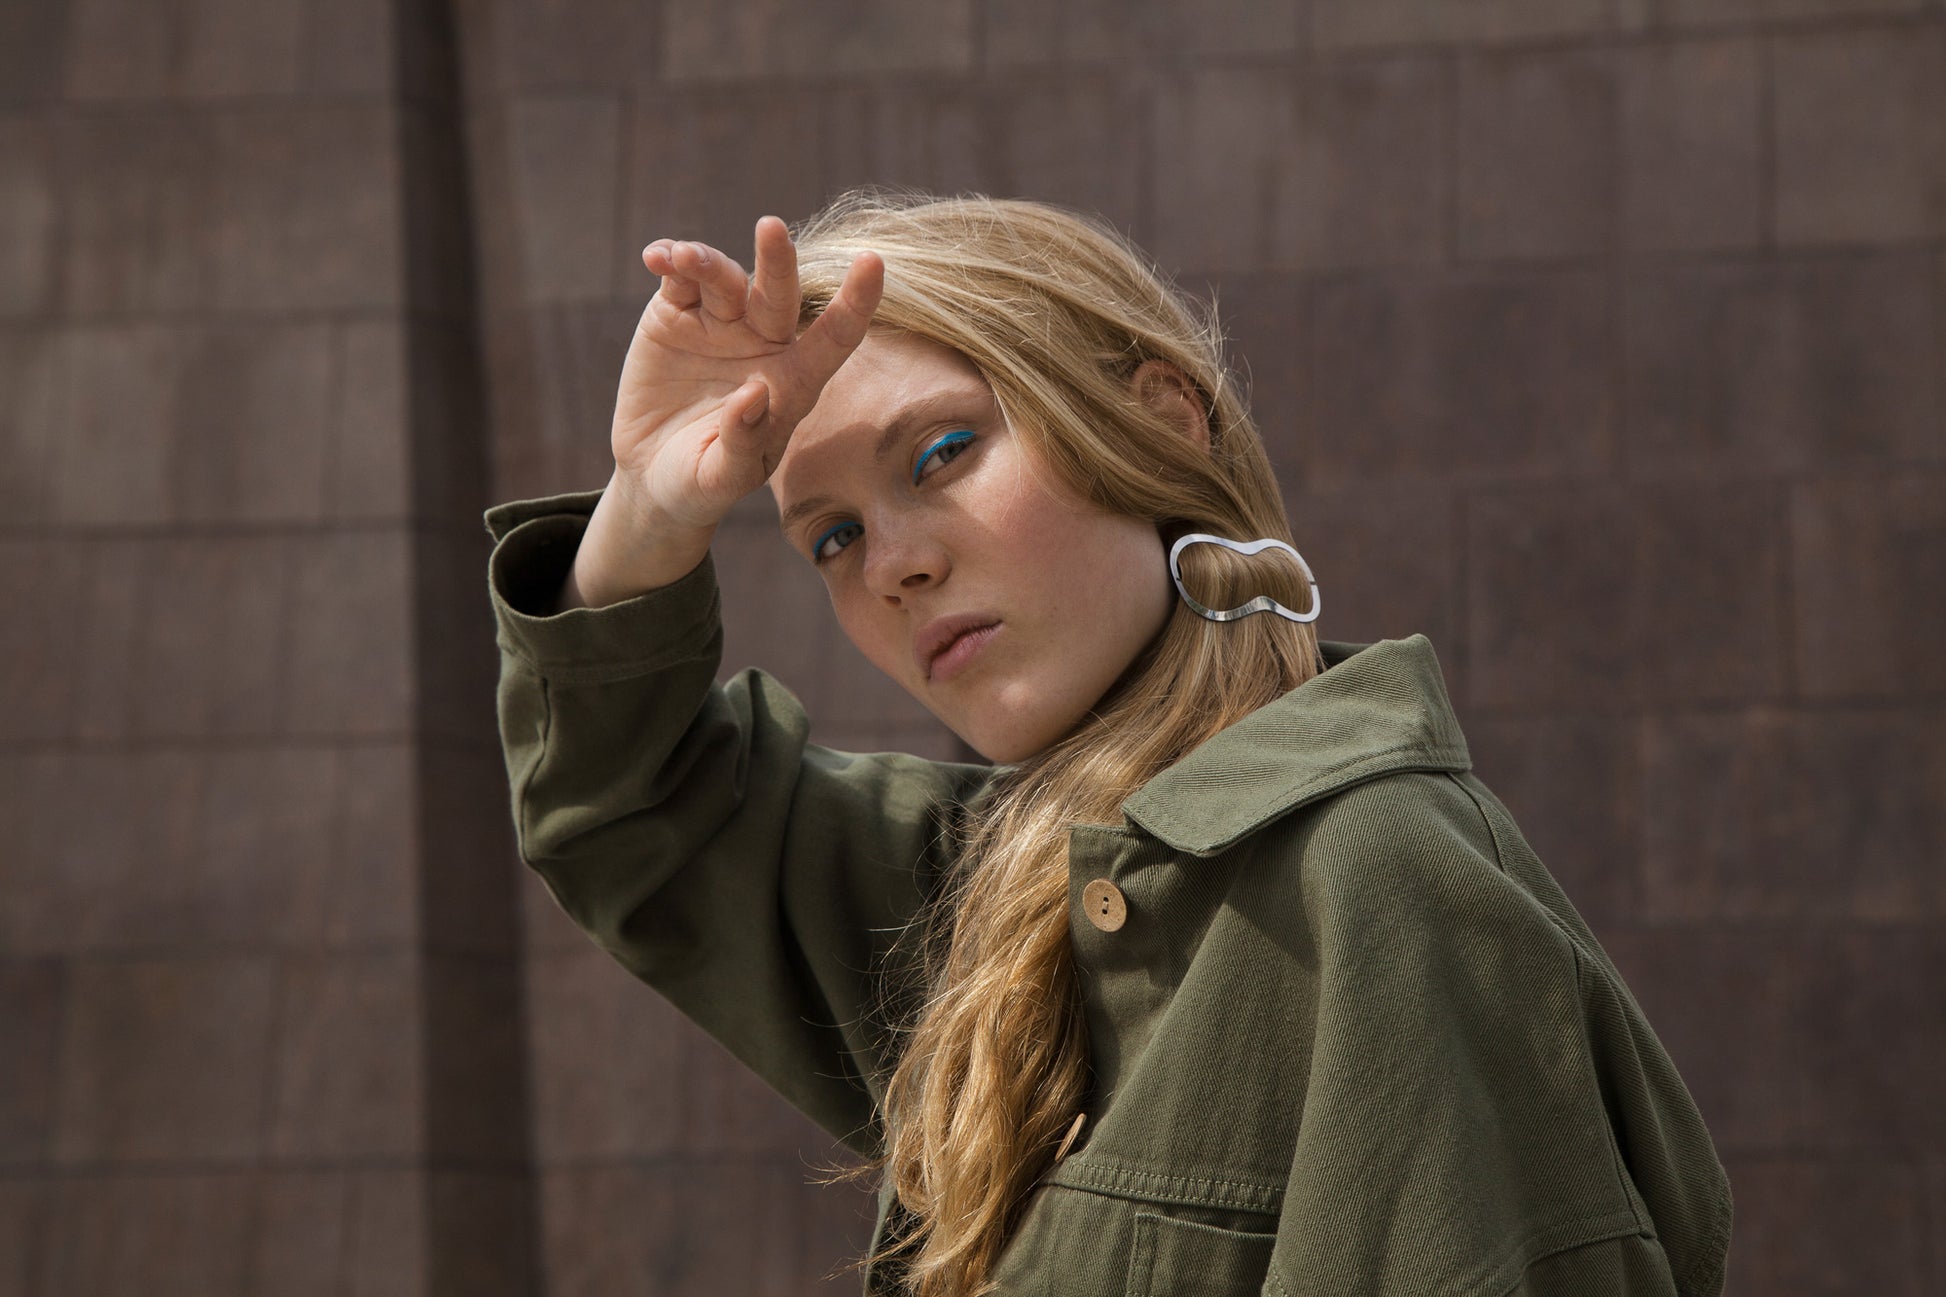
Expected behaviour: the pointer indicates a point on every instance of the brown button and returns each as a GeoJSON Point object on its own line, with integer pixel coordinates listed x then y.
{"type": "Point", "coordinates": [1073, 1130]}
{"type": "Point", "coordinates": [1106, 907]}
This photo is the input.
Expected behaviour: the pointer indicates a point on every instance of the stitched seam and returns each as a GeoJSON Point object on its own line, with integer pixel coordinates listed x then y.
{"type": "Point", "coordinates": [1141, 1261]}
{"type": "Point", "coordinates": [601, 675]}
{"type": "Point", "coordinates": [1580, 957]}
{"type": "Point", "coordinates": [1541, 1246]}
{"type": "Point", "coordinates": [527, 779]}
{"type": "Point", "coordinates": [1608, 1131]}
{"type": "Point", "coordinates": [1195, 1191]}
{"type": "Point", "coordinates": [1187, 1181]}
{"type": "Point", "coordinates": [1492, 1281]}
{"type": "Point", "coordinates": [1500, 863]}
{"type": "Point", "coordinates": [1263, 1206]}
{"type": "Point", "coordinates": [1493, 834]}
{"type": "Point", "coordinates": [1709, 1270]}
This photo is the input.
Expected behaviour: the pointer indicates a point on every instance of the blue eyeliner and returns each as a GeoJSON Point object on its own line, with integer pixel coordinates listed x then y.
{"type": "Point", "coordinates": [817, 546]}
{"type": "Point", "coordinates": [950, 439]}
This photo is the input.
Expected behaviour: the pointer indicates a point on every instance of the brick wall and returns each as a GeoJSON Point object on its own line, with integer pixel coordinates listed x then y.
{"type": "Point", "coordinates": [1601, 340]}
{"type": "Point", "coordinates": [259, 999]}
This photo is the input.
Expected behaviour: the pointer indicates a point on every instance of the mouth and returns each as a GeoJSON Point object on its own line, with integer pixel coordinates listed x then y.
{"type": "Point", "coordinates": [945, 646]}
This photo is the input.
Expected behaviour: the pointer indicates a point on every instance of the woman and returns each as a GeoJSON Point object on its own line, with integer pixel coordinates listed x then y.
{"type": "Point", "coordinates": [1229, 977]}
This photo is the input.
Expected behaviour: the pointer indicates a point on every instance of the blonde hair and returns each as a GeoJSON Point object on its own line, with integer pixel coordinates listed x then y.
{"type": "Point", "coordinates": [1057, 312]}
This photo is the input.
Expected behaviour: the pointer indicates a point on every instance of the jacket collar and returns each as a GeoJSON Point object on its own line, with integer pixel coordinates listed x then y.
{"type": "Point", "coordinates": [1374, 709]}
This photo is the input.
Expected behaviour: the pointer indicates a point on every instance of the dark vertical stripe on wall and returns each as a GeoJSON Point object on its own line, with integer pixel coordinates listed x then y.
{"type": "Point", "coordinates": [480, 1207]}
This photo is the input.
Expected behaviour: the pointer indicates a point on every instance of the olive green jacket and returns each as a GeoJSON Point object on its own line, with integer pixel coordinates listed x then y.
{"type": "Point", "coordinates": [1349, 1036]}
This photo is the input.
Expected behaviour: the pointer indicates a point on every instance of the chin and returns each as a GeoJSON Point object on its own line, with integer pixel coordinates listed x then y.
{"type": "Point", "coordinates": [1009, 747]}
{"type": "Point", "coordinates": [1001, 749]}
{"type": "Point", "coordinates": [1002, 754]}
{"type": "Point", "coordinates": [1009, 721]}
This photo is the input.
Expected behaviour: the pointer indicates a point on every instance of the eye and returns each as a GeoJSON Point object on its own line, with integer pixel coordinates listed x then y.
{"type": "Point", "coordinates": [832, 540]}
{"type": "Point", "coordinates": [941, 452]}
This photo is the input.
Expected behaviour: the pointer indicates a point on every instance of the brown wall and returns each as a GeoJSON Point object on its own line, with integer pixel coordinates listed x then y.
{"type": "Point", "coordinates": [259, 989]}
{"type": "Point", "coordinates": [1604, 341]}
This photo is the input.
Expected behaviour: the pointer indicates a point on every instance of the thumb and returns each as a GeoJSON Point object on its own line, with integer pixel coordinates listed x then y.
{"type": "Point", "coordinates": [745, 407]}
{"type": "Point", "coordinates": [748, 433]}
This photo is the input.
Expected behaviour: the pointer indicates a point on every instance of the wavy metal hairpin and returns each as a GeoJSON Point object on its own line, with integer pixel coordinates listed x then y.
{"type": "Point", "coordinates": [1263, 602]}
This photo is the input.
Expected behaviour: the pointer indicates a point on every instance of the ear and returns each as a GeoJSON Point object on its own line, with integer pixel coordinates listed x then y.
{"type": "Point", "coordinates": [1167, 391]}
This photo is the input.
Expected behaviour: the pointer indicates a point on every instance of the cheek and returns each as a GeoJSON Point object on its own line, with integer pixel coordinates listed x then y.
{"type": "Point", "coordinates": [869, 633]}
{"type": "Point", "coordinates": [1094, 557]}
{"type": "Point", "coordinates": [1104, 573]}
{"type": "Point", "coordinates": [1020, 518]}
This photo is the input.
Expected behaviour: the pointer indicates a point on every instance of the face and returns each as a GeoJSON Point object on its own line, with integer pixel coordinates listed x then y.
{"type": "Point", "coordinates": [956, 564]}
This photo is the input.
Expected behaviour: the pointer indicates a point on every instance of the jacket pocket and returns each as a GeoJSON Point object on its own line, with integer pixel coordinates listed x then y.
{"type": "Point", "coordinates": [1180, 1258]}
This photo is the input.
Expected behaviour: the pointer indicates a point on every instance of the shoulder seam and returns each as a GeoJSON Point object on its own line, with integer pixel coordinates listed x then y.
{"type": "Point", "coordinates": [1493, 834]}
{"type": "Point", "coordinates": [1500, 862]}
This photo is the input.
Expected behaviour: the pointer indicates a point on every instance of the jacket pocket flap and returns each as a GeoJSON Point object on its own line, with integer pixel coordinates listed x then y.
{"type": "Point", "coordinates": [1181, 1258]}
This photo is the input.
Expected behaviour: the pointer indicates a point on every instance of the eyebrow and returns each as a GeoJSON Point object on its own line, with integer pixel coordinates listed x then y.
{"type": "Point", "coordinates": [925, 410]}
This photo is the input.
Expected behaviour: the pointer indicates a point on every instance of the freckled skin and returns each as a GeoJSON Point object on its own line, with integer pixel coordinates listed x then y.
{"type": "Point", "coordinates": [1077, 592]}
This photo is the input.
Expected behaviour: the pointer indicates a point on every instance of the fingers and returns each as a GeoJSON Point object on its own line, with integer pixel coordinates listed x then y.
{"type": "Point", "coordinates": [680, 293]}
{"type": "Point", "coordinates": [773, 304]}
{"type": "Point", "coordinates": [841, 326]}
{"type": "Point", "coordinates": [697, 274]}
{"type": "Point", "coordinates": [725, 287]}
{"type": "Point", "coordinates": [756, 419]}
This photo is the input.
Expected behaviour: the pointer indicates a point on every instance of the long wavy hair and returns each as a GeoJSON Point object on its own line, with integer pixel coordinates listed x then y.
{"type": "Point", "coordinates": [990, 1061]}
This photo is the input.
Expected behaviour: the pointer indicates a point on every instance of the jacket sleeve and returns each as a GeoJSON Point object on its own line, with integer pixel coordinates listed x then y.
{"type": "Point", "coordinates": [1456, 1134]}
{"type": "Point", "coordinates": [757, 881]}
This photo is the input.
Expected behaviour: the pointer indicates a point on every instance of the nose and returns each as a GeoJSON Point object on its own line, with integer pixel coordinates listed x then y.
{"type": "Point", "coordinates": [903, 558]}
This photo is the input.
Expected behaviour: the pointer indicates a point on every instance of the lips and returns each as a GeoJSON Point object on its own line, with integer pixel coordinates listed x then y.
{"type": "Point", "coordinates": [942, 646]}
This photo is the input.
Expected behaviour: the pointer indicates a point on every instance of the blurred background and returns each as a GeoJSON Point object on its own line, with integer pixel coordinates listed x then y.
{"type": "Point", "coordinates": [1600, 340]}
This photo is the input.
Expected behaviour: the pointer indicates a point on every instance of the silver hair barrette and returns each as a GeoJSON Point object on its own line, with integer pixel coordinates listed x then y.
{"type": "Point", "coordinates": [1263, 602]}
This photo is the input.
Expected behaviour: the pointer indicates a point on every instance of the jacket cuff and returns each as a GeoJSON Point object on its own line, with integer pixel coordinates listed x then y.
{"type": "Point", "coordinates": [535, 544]}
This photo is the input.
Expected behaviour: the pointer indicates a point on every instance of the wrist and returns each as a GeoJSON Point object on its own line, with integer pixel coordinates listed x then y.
{"type": "Point", "coordinates": [628, 550]}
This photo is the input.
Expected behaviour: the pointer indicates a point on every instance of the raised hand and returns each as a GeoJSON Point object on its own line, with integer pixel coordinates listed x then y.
{"type": "Point", "coordinates": [715, 380]}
